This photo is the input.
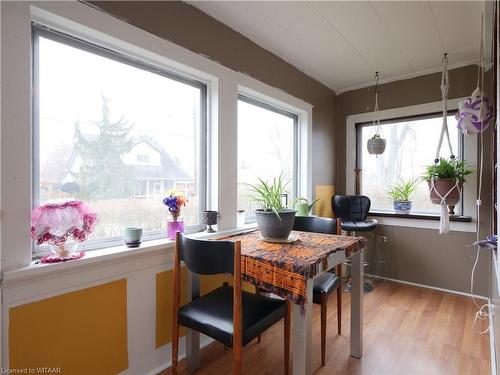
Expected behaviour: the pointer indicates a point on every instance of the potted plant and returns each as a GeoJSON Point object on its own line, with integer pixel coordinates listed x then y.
{"type": "Point", "coordinates": [376, 145]}
{"type": "Point", "coordinates": [274, 219]}
{"type": "Point", "coordinates": [401, 196]}
{"type": "Point", "coordinates": [303, 206]}
{"type": "Point", "coordinates": [449, 176]}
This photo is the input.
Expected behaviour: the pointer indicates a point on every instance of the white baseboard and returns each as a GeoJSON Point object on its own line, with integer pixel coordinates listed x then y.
{"type": "Point", "coordinates": [427, 286]}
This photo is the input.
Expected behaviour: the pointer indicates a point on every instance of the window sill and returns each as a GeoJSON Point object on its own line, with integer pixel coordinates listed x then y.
{"type": "Point", "coordinates": [457, 223]}
{"type": "Point", "coordinates": [102, 257]}
{"type": "Point", "coordinates": [457, 218]}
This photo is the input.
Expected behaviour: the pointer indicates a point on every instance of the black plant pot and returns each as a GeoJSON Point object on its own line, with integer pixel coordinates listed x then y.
{"type": "Point", "coordinates": [273, 227]}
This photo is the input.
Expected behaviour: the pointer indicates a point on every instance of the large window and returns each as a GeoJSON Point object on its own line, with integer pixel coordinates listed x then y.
{"type": "Point", "coordinates": [116, 133]}
{"type": "Point", "coordinates": [411, 145]}
{"type": "Point", "coordinates": [267, 148]}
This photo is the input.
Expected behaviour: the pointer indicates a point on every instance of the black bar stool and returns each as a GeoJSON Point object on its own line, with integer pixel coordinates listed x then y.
{"type": "Point", "coordinates": [353, 212]}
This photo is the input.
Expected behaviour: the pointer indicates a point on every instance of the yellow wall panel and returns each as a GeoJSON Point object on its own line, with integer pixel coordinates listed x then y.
{"type": "Point", "coordinates": [324, 193]}
{"type": "Point", "coordinates": [82, 332]}
{"type": "Point", "coordinates": [164, 284]}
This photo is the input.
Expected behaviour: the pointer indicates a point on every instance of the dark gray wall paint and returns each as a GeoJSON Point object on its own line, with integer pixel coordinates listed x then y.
{"type": "Point", "coordinates": [421, 255]}
{"type": "Point", "coordinates": [187, 26]}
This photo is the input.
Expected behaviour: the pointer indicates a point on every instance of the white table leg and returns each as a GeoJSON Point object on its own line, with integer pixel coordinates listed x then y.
{"type": "Point", "coordinates": [193, 337]}
{"type": "Point", "coordinates": [302, 335]}
{"type": "Point", "coordinates": [357, 277]}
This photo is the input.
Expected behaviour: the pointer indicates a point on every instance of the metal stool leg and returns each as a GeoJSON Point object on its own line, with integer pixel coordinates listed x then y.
{"type": "Point", "coordinates": [367, 286]}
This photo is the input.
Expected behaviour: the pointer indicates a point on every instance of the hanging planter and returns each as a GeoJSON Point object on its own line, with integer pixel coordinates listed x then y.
{"type": "Point", "coordinates": [445, 180]}
{"type": "Point", "coordinates": [376, 144]}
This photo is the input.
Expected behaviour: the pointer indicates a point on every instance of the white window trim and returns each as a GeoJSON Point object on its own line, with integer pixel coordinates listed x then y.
{"type": "Point", "coordinates": [470, 156]}
{"type": "Point", "coordinates": [87, 23]}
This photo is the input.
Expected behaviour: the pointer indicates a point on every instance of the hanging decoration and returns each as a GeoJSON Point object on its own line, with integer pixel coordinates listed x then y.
{"type": "Point", "coordinates": [444, 189]}
{"type": "Point", "coordinates": [475, 113]}
{"type": "Point", "coordinates": [376, 144]}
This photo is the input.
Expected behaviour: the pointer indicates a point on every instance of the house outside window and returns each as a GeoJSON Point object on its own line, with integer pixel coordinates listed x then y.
{"type": "Point", "coordinates": [118, 135]}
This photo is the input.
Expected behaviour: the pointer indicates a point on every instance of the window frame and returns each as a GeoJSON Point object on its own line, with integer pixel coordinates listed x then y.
{"type": "Point", "coordinates": [470, 155]}
{"type": "Point", "coordinates": [39, 30]}
{"type": "Point", "coordinates": [296, 143]}
{"type": "Point", "coordinates": [459, 153]}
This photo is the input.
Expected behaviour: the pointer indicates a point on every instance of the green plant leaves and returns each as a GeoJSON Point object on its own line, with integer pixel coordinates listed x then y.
{"type": "Point", "coordinates": [269, 195]}
{"type": "Point", "coordinates": [403, 190]}
{"type": "Point", "coordinates": [453, 168]}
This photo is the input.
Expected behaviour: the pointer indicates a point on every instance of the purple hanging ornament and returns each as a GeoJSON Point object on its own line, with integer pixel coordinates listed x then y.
{"type": "Point", "coordinates": [475, 113]}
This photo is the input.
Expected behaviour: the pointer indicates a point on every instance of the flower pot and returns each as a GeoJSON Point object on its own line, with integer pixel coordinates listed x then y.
{"type": "Point", "coordinates": [402, 207]}
{"type": "Point", "coordinates": [272, 226]}
{"type": "Point", "coordinates": [443, 186]}
{"type": "Point", "coordinates": [376, 146]}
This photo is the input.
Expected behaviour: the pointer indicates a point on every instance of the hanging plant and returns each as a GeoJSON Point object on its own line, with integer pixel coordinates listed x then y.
{"type": "Point", "coordinates": [376, 144]}
{"type": "Point", "coordinates": [448, 176]}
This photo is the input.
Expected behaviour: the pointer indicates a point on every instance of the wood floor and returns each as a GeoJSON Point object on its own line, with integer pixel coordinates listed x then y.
{"type": "Point", "coordinates": [407, 330]}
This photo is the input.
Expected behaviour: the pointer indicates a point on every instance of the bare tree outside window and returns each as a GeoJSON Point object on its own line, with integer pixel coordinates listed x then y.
{"type": "Point", "coordinates": [411, 145]}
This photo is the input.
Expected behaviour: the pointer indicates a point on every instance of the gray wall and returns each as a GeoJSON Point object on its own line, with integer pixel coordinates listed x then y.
{"type": "Point", "coordinates": [186, 26]}
{"type": "Point", "coordinates": [421, 255]}
{"type": "Point", "coordinates": [416, 255]}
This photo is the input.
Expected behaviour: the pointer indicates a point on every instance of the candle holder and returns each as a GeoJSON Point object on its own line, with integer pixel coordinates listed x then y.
{"type": "Point", "coordinates": [209, 218]}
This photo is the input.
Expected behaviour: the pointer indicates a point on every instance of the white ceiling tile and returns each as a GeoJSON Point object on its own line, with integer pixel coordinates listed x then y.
{"type": "Point", "coordinates": [459, 24]}
{"type": "Point", "coordinates": [411, 26]}
{"type": "Point", "coordinates": [342, 43]}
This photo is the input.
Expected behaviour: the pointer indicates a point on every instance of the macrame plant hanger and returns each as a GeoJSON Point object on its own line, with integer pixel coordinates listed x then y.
{"type": "Point", "coordinates": [444, 223]}
{"type": "Point", "coordinates": [376, 144]}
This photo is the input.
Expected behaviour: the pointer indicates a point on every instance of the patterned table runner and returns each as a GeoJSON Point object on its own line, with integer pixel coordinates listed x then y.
{"type": "Point", "coordinates": [283, 268]}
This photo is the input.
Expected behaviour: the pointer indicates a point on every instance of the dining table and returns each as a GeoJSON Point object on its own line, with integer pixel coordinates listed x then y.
{"type": "Point", "coordinates": [287, 270]}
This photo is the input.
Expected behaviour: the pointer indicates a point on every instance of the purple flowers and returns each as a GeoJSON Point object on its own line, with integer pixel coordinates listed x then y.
{"type": "Point", "coordinates": [174, 201]}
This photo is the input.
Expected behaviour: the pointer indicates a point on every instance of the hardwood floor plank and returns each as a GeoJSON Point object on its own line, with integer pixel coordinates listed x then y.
{"type": "Point", "coordinates": [407, 331]}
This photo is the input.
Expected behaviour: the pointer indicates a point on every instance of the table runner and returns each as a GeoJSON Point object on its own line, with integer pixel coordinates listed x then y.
{"type": "Point", "coordinates": [283, 268]}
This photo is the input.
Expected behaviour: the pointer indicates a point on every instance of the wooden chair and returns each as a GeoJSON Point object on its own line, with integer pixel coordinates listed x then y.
{"type": "Point", "coordinates": [327, 282]}
{"type": "Point", "coordinates": [227, 314]}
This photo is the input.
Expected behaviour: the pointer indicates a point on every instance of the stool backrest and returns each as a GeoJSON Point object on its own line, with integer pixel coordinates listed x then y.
{"type": "Point", "coordinates": [351, 207]}
{"type": "Point", "coordinates": [206, 257]}
{"type": "Point", "coordinates": [317, 224]}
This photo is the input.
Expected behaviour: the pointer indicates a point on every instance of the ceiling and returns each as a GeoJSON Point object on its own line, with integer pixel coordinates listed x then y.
{"type": "Point", "coordinates": [343, 43]}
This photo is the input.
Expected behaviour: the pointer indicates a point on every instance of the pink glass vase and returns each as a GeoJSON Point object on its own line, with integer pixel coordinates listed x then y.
{"type": "Point", "coordinates": [174, 226]}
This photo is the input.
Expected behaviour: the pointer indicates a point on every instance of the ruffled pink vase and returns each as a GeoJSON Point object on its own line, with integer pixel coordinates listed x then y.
{"type": "Point", "coordinates": [174, 226]}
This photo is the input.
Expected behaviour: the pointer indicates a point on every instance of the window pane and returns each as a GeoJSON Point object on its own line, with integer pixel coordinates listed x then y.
{"type": "Point", "coordinates": [265, 150]}
{"type": "Point", "coordinates": [411, 146]}
{"type": "Point", "coordinates": [116, 136]}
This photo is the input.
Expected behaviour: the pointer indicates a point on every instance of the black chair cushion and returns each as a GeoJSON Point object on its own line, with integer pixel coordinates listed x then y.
{"type": "Point", "coordinates": [359, 226]}
{"type": "Point", "coordinates": [212, 314]}
{"type": "Point", "coordinates": [325, 283]}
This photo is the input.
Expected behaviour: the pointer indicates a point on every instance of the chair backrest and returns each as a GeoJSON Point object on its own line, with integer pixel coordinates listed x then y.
{"type": "Point", "coordinates": [206, 257]}
{"type": "Point", "coordinates": [317, 224]}
{"type": "Point", "coordinates": [351, 207]}
{"type": "Point", "coordinates": [209, 258]}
